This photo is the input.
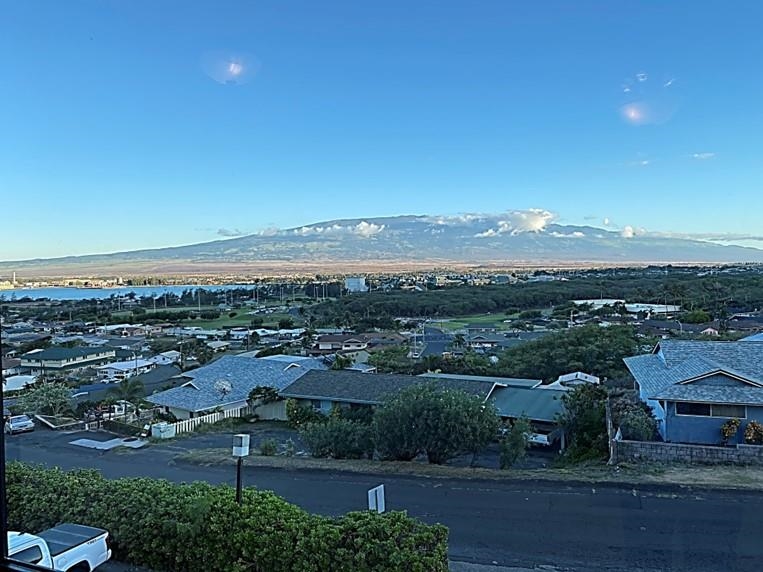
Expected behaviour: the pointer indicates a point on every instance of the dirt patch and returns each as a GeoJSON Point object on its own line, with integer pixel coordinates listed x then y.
{"type": "Point", "coordinates": [744, 478]}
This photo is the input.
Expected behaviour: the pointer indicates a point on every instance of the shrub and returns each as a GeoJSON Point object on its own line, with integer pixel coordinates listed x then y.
{"type": "Point", "coordinates": [729, 430]}
{"type": "Point", "coordinates": [299, 415]}
{"type": "Point", "coordinates": [289, 447]}
{"type": "Point", "coordinates": [199, 527]}
{"type": "Point", "coordinates": [338, 438]}
{"type": "Point", "coordinates": [515, 442]}
{"type": "Point", "coordinates": [440, 423]}
{"type": "Point", "coordinates": [753, 433]}
{"type": "Point", "coordinates": [268, 448]}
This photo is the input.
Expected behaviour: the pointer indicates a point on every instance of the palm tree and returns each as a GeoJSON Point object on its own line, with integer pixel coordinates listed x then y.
{"type": "Point", "coordinates": [130, 390]}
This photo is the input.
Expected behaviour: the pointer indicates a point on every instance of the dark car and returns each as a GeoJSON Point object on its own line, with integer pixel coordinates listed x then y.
{"type": "Point", "coordinates": [19, 424]}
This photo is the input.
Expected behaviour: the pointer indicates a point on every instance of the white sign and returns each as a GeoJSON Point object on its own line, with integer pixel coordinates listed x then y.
{"type": "Point", "coordinates": [376, 499]}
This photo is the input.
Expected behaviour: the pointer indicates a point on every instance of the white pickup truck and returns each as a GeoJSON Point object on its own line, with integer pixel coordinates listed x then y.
{"type": "Point", "coordinates": [66, 547]}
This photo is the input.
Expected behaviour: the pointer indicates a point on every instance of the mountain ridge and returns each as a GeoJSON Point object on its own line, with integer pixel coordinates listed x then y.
{"type": "Point", "coordinates": [530, 235]}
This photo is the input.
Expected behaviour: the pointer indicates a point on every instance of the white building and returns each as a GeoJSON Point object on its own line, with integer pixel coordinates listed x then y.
{"type": "Point", "coordinates": [121, 370]}
{"type": "Point", "coordinates": [355, 284]}
{"type": "Point", "coordinates": [166, 358]}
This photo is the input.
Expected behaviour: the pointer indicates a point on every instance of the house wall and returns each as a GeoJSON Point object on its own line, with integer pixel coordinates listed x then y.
{"type": "Point", "coordinates": [272, 411]}
{"type": "Point", "coordinates": [703, 430]}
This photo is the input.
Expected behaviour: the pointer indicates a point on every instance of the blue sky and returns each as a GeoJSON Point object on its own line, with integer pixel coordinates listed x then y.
{"type": "Point", "coordinates": [121, 131]}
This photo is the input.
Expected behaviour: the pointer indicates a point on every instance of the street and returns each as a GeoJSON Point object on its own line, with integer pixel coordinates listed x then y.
{"type": "Point", "coordinates": [511, 524]}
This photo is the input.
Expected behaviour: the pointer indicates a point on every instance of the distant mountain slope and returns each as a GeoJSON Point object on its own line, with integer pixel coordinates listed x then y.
{"type": "Point", "coordinates": [511, 237]}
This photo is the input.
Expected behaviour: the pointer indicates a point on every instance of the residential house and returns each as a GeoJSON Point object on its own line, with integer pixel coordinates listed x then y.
{"type": "Point", "coordinates": [157, 379]}
{"type": "Point", "coordinates": [218, 346]}
{"type": "Point", "coordinates": [166, 358]}
{"type": "Point", "coordinates": [694, 387]}
{"type": "Point", "coordinates": [324, 389]}
{"type": "Point", "coordinates": [121, 370]}
{"type": "Point", "coordinates": [226, 383]}
{"type": "Point", "coordinates": [10, 366]}
{"type": "Point", "coordinates": [333, 343]}
{"type": "Point", "coordinates": [481, 329]}
{"type": "Point", "coordinates": [540, 405]}
{"type": "Point", "coordinates": [58, 359]}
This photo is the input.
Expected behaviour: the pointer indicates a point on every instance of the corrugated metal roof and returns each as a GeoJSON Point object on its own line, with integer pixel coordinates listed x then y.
{"type": "Point", "coordinates": [535, 404]}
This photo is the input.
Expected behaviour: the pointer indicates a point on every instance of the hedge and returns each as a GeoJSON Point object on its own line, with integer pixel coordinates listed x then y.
{"type": "Point", "coordinates": [199, 527]}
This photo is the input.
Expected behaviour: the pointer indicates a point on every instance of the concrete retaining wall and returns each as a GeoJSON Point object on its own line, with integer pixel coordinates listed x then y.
{"type": "Point", "coordinates": [658, 452]}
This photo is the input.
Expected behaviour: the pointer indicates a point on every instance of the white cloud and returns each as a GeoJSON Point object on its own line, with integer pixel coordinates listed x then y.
{"type": "Point", "coordinates": [670, 82]}
{"type": "Point", "coordinates": [228, 232]}
{"type": "Point", "coordinates": [576, 234]}
{"type": "Point", "coordinates": [517, 222]}
{"type": "Point", "coordinates": [363, 229]}
{"type": "Point", "coordinates": [628, 232]}
{"type": "Point", "coordinates": [464, 218]}
{"type": "Point", "coordinates": [606, 221]}
{"type": "Point", "coordinates": [642, 76]}
{"type": "Point", "coordinates": [703, 156]}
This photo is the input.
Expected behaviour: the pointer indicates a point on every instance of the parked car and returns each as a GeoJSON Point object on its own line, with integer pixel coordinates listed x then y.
{"type": "Point", "coordinates": [18, 424]}
{"type": "Point", "coordinates": [66, 547]}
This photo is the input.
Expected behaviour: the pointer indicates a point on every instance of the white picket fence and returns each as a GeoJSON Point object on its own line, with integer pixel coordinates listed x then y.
{"type": "Point", "coordinates": [188, 425]}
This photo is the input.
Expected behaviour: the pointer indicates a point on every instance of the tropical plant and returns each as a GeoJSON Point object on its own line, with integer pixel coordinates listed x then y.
{"type": "Point", "coordinates": [583, 420]}
{"type": "Point", "coordinates": [753, 433]}
{"type": "Point", "coordinates": [338, 438]}
{"type": "Point", "coordinates": [46, 399]}
{"type": "Point", "coordinates": [298, 415]}
{"type": "Point", "coordinates": [729, 430]}
{"type": "Point", "coordinates": [130, 390]}
{"type": "Point", "coordinates": [268, 448]}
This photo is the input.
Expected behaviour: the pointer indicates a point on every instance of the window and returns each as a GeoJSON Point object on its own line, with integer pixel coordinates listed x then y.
{"type": "Point", "coordinates": [702, 409]}
{"type": "Point", "coordinates": [738, 411]}
{"type": "Point", "coordinates": [316, 403]}
{"type": "Point", "coordinates": [33, 555]}
{"type": "Point", "coordinates": [712, 410]}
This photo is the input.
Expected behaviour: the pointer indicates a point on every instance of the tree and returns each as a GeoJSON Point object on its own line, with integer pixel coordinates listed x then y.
{"type": "Point", "coordinates": [300, 415]}
{"type": "Point", "coordinates": [584, 422]}
{"type": "Point", "coordinates": [515, 442]}
{"type": "Point", "coordinates": [46, 399]}
{"type": "Point", "coordinates": [594, 350]}
{"type": "Point", "coordinates": [285, 324]}
{"type": "Point", "coordinates": [263, 394]}
{"type": "Point", "coordinates": [440, 423]}
{"type": "Point", "coordinates": [130, 390]}
{"type": "Point", "coordinates": [342, 362]}
{"type": "Point", "coordinates": [696, 317]}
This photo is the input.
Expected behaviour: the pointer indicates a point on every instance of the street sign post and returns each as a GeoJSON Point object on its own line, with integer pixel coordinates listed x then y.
{"type": "Point", "coordinates": [376, 499]}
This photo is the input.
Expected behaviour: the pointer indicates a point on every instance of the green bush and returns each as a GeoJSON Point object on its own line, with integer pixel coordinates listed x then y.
{"type": "Point", "coordinates": [339, 438]}
{"type": "Point", "coordinates": [199, 527]}
{"type": "Point", "coordinates": [298, 415]}
{"type": "Point", "coordinates": [268, 448]}
{"type": "Point", "coordinates": [515, 442]}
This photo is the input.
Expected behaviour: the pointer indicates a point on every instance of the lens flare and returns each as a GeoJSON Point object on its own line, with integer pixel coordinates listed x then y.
{"type": "Point", "coordinates": [228, 68]}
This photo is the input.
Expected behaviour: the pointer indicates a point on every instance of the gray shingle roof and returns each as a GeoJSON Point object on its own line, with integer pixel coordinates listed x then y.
{"type": "Point", "coordinates": [509, 381]}
{"type": "Point", "coordinates": [661, 375]}
{"type": "Point", "coordinates": [56, 354]}
{"type": "Point", "coordinates": [370, 388]}
{"type": "Point", "coordinates": [742, 395]}
{"type": "Point", "coordinates": [243, 373]}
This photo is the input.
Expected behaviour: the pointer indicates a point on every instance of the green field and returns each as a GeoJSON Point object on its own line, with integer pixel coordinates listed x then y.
{"type": "Point", "coordinates": [241, 319]}
{"type": "Point", "coordinates": [495, 319]}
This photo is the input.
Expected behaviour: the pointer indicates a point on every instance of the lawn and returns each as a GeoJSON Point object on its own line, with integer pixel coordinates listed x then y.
{"type": "Point", "coordinates": [495, 319]}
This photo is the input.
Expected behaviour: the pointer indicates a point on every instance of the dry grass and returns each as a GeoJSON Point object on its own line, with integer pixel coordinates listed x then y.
{"type": "Point", "coordinates": [726, 477]}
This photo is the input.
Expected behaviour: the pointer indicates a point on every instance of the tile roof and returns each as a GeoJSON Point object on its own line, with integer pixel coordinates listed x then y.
{"type": "Point", "coordinates": [198, 393]}
{"type": "Point", "coordinates": [370, 388]}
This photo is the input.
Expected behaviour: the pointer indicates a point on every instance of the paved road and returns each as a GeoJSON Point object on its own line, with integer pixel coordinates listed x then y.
{"type": "Point", "coordinates": [510, 524]}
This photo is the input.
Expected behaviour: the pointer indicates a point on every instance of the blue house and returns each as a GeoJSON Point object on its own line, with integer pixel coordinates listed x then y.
{"type": "Point", "coordinates": [694, 387]}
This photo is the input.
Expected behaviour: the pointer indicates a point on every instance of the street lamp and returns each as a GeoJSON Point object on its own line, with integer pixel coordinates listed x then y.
{"type": "Point", "coordinates": [240, 450]}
